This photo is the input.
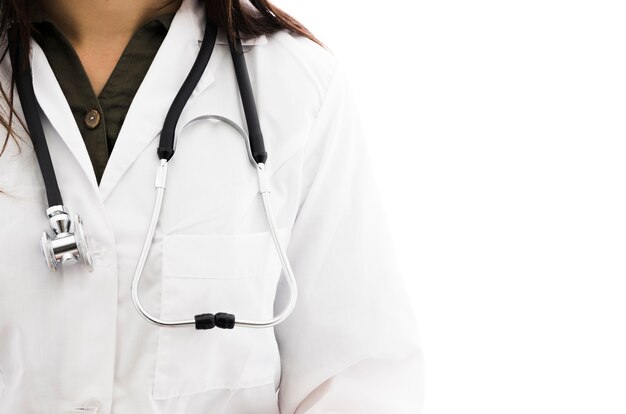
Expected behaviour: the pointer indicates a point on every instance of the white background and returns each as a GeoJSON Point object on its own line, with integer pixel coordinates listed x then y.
{"type": "Point", "coordinates": [499, 129]}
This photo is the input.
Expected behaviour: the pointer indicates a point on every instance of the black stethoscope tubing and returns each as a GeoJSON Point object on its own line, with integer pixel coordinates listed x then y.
{"type": "Point", "coordinates": [30, 107]}
{"type": "Point", "coordinates": [166, 148]}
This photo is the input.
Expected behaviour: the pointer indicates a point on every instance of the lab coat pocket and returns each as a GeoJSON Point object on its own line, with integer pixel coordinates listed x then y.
{"type": "Point", "coordinates": [236, 274]}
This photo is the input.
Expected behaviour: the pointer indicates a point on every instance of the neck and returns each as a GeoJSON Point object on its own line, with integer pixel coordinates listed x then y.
{"type": "Point", "coordinates": [99, 30]}
{"type": "Point", "coordinates": [94, 21]}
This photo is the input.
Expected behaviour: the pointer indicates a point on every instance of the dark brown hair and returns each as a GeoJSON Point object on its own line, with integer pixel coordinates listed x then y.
{"type": "Point", "coordinates": [251, 18]}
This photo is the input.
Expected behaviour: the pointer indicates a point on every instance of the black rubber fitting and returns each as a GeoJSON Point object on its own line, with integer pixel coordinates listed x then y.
{"type": "Point", "coordinates": [225, 320]}
{"type": "Point", "coordinates": [205, 321]}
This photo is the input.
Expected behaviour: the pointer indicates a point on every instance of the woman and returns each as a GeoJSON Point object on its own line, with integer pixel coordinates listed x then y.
{"type": "Point", "coordinates": [104, 75]}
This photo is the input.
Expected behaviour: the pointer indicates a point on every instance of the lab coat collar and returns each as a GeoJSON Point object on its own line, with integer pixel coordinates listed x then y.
{"type": "Point", "coordinates": [145, 116]}
{"type": "Point", "coordinates": [53, 103]}
{"type": "Point", "coordinates": [167, 72]}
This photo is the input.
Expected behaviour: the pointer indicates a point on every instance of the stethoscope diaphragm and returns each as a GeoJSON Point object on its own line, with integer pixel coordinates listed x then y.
{"type": "Point", "coordinates": [68, 244]}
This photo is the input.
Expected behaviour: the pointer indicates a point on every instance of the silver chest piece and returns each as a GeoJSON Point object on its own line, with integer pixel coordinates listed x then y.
{"type": "Point", "coordinates": [68, 244]}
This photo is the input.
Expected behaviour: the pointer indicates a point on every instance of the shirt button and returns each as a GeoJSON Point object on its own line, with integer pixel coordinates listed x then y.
{"type": "Point", "coordinates": [92, 118]}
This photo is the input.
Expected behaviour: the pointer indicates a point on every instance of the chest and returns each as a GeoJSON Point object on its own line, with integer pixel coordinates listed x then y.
{"type": "Point", "coordinates": [211, 252]}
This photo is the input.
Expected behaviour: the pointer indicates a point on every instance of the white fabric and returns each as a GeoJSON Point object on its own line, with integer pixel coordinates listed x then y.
{"type": "Point", "coordinates": [72, 342]}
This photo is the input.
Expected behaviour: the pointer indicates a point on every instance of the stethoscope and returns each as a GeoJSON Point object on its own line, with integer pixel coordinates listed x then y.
{"type": "Point", "coordinates": [66, 243]}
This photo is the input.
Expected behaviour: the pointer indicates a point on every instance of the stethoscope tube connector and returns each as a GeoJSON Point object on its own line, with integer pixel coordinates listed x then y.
{"type": "Point", "coordinates": [210, 321]}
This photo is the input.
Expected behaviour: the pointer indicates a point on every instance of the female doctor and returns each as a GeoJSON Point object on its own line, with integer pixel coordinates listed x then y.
{"type": "Point", "coordinates": [110, 278]}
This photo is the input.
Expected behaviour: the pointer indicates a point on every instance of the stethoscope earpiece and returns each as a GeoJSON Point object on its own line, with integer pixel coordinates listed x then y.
{"type": "Point", "coordinates": [68, 244]}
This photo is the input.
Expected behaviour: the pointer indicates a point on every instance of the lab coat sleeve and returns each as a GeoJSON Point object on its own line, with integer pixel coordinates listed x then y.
{"type": "Point", "coordinates": [350, 346]}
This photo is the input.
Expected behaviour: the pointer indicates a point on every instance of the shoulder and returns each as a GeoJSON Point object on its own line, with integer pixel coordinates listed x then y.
{"type": "Point", "coordinates": [302, 93]}
{"type": "Point", "coordinates": [294, 64]}
{"type": "Point", "coordinates": [291, 77]}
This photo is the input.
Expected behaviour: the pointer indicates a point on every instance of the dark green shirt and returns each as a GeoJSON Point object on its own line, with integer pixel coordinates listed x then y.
{"type": "Point", "coordinates": [100, 118]}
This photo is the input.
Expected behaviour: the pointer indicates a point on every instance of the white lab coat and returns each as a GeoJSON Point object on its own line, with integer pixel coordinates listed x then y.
{"type": "Point", "coordinates": [72, 342]}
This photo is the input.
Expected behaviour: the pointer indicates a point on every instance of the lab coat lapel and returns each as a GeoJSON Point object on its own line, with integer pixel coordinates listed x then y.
{"type": "Point", "coordinates": [167, 73]}
{"type": "Point", "coordinates": [54, 105]}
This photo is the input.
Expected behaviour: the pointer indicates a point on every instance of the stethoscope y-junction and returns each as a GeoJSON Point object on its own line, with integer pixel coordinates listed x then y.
{"type": "Point", "coordinates": [66, 243]}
